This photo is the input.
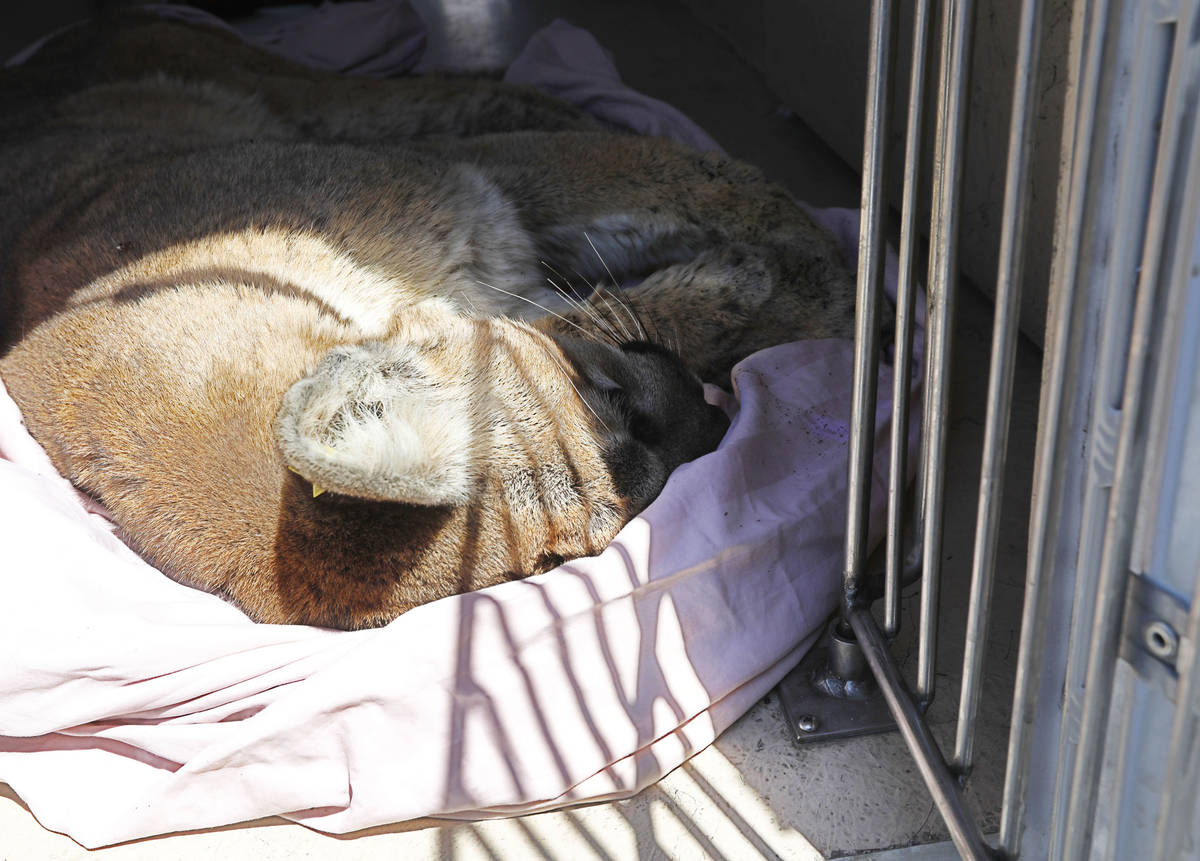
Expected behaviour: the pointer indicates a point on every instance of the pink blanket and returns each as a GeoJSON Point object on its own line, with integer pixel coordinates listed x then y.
{"type": "Point", "coordinates": [131, 705]}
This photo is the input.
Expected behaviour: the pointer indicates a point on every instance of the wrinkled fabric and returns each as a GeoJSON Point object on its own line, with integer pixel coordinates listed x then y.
{"type": "Point", "coordinates": [569, 63]}
{"type": "Point", "coordinates": [131, 705]}
{"type": "Point", "coordinates": [376, 38]}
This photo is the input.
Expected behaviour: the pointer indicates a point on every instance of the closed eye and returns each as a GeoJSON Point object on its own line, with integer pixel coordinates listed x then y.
{"type": "Point", "coordinates": [644, 429]}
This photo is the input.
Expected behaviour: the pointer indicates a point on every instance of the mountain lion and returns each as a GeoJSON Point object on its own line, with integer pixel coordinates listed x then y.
{"type": "Point", "coordinates": [332, 348]}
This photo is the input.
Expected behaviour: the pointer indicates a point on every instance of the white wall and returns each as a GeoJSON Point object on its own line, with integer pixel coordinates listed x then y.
{"type": "Point", "coordinates": [813, 54]}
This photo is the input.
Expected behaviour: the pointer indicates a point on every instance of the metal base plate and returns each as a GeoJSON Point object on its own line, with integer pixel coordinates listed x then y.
{"type": "Point", "coordinates": [814, 715]}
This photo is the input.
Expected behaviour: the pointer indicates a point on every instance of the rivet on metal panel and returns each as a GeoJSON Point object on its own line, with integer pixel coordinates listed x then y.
{"type": "Point", "coordinates": [1150, 639]}
{"type": "Point", "coordinates": [1161, 640]}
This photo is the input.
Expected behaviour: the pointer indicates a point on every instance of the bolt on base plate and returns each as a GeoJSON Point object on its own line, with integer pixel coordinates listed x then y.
{"type": "Point", "coordinates": [814, 713]}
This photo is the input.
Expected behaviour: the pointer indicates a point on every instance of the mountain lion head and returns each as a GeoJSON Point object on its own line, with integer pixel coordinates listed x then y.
{"type": "Point", "coordinates": [505, 449]}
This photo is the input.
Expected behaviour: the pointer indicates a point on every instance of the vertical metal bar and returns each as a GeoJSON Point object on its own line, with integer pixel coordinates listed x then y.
{"type": "Point", "coordinates": [906, 292]}
{"type": "Point", "coordinates": [1121, 515]}
{"type": "Point", "coordinates": [1053, 431]}
{"type": "Point", "coordinates": [870, 279]}
{"type": "Point", "coordinates": [963, 829]}
{"type": "Point", "coordinates": [1102, 649]}
{"type": "Point", "coordinates": [1000, 379]}
{"type": "Point", "coordinates": [1176, 823]}
{"type": "Point", "coordinates": [943, 280]}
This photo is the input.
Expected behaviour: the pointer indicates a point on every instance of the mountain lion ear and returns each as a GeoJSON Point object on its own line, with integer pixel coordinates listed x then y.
{"type": "Point", "coordinates": [370, 422]}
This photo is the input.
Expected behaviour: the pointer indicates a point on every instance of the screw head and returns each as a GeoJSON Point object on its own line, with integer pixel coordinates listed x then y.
{"type": "Point", "coordinates": [807, 723]}
{"type": "Point", "coordinates": [1161, 640]}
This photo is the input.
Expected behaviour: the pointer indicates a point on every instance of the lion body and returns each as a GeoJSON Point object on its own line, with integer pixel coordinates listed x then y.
{"type": "Point", "coordinates": [230, 284]}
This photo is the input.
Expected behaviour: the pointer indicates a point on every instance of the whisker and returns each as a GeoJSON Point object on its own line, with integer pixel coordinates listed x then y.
{"type": "Point", "coordinates": [611, 277]}
{"type": "Point", "coordinates": [567, 281]}
{"type": "Point", "coordinates": [616, 297]}
{"type": "Point", "coordinates": [582, 399]}
{"type": "Point", "coordinates": [462, 294]}
{"type": "Point", "coordinates": [565, 296]}
{"type": "Point", "coordinates": [604, 293]}
{"type": "Point", "coordinates": [584, 304]}
{"type": "Point", "coordinates": [584, 278]}
{"type": "Point", "coordinates": [638, 312]}
{"type": "Point", "coordinates": [637, 323]}
{"type": "Point", "coordinates": [536, 305]}
{"type": "Point", "coordinates": [585, 309]}
{"type": "Point", "coordinates": [612, 315]}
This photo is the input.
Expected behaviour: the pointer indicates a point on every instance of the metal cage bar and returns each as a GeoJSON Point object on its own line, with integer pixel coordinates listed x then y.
{"type": "Point", "coordinates": [869, 287]}
{"type": "Point", "coordinates": [1134, 202]}
{"type": "Point", "coordinates": [1053, 437]}
{"type": "Point", "coordinates": [943, 283]}
{"type": "Point", "coordinates": [942, 786]}
{"type": "Point", "coordinates": [956, 29]}
{"type": "Point", "coordinates": [906, 293]}
{"type": "Point", "coordinates": [1000, 379]}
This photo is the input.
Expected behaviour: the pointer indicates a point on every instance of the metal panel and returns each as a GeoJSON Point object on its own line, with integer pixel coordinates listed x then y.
{"type": "Point", "coordinates": [1144, 810]}
{"type": "Point", "coordinates": [1135, 101]}
{"type": "Point", "coordinates": [1177, 541]}
{"type": "Point", "coordinates": [1131, 444]}
{"type": "Point", "coordinates": [1179, 819]}
{"type": "Point", "coordinates": [1125, 319]}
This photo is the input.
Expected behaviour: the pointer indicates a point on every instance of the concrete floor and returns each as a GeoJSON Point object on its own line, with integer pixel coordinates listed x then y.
{"type": "Point", "coordinates": [754, 794]}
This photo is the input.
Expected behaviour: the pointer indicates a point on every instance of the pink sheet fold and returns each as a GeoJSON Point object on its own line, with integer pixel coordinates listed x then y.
{"type": "Point", "coordinates": [131, 705]}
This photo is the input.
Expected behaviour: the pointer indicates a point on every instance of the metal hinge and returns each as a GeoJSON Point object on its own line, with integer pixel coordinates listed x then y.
{"type": "Point", "coordinates": [1152, 633]}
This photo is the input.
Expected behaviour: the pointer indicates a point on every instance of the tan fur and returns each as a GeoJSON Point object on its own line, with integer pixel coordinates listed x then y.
{"type": "Point", "coordinates": [229, 282]}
